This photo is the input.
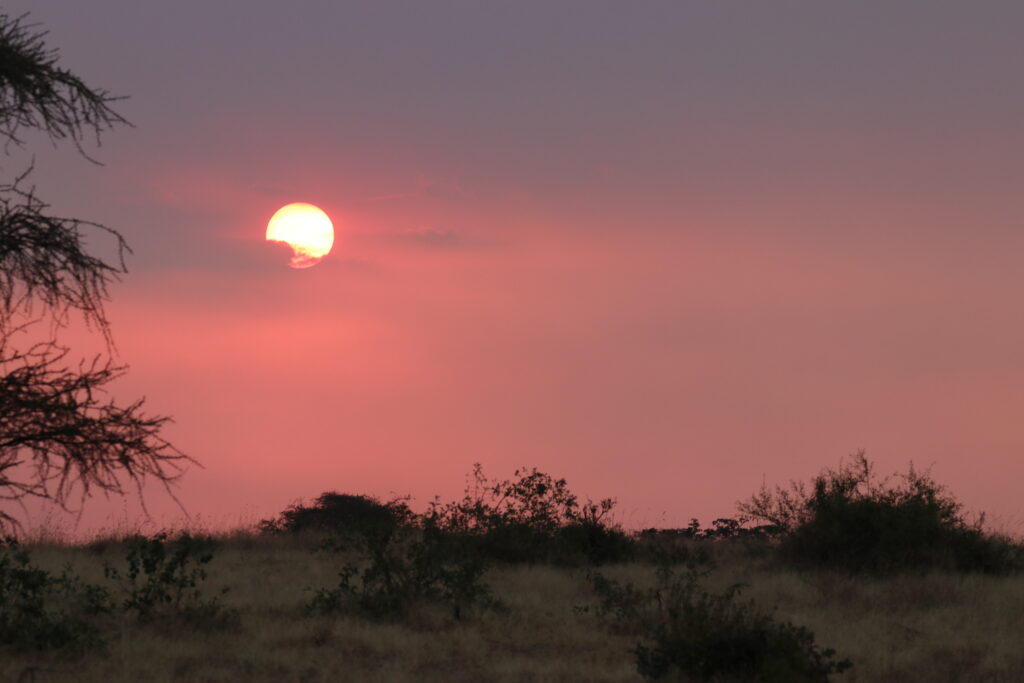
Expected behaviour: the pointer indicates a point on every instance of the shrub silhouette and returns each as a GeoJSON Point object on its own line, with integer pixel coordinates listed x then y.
{"type": "Point", "coordinates": [532, 518]}
{"type": "Point", "coordinates": [697, 543]}
{"type": "Point", "coordinates": [853, 520]}
{"type": "Point", "coordinates": [589, 540]}
{"type": "Point", "coordinates": [163, 579]}
{"type": "Point", "coordinates": [400, 567]}
{"type": "Point", "coordinates": [687, 631]}
{"type": "Point", "coordinates": [341, 512]}
{"type": "Point", "coordinates": [41, 611]}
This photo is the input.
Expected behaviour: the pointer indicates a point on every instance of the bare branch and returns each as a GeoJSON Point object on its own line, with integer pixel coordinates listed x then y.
{"type": "Point", "coordinates": [43, 259]}
{"type": "Point", "coordinates": [58, 424]}
{"type": "Point", "coordinates": [60, 433]}
{"type": "Point", "coordinates": [36, 93]}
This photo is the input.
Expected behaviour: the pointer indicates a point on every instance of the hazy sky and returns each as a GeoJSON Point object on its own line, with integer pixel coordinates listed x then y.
{"type": "Point", "coordinates": [667, 250]}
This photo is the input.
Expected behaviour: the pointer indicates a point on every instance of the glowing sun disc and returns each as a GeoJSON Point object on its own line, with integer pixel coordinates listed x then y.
{"type": "Point", "coordinates": [306, 229]}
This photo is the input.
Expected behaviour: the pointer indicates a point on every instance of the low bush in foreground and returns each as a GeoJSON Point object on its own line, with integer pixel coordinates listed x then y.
{"type": "Point", "coordinates": [855, 521]}
{"type": "Point", "coordinates": [163, 579]}
{"type": "Point", "coordinates": [398, 569]}
{"type": "Point", "coordinates": [41, 611]}
{"type": "Point", "coordinates": [688, 632]}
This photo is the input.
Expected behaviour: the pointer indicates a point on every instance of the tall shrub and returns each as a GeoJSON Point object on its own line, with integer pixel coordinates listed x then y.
{"type": "Point", "coordinates": [852, 519]}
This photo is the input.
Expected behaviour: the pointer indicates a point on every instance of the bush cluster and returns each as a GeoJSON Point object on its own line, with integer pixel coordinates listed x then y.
{"type": "Point", "coordinates": [40, 610]}
{"type": "Point", "coordinates": [44, 611]}
{"type": "Point", "coordinates": [163, 579]}
{"type": "Point", "coordinates": [848, 519]}
{"type": "Point", "coordinates": [341, 513]}
{"type": "Point", "coordinates": [851, 519]}
{"type": "Point", "coordinates": [530, 518]}
{"type": "Point", "coordinates": [440, 557]}
{"type": "Point", "coordinates": [697, 543]}
{"type": "Point", "coordinates": [721, 528]}
{"type": "Point", "coordinates": [687, 631]}
{"type": "Point", "coordinates": [533, 518]}
{"type": "Point", "coordinates": [397, 569]}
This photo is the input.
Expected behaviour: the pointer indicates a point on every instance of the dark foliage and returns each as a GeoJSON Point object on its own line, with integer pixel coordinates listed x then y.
{"type": "Point", "coordinates": [695, 543]}
{"type": "Point", "coordinates": [402, 559]}
{"type": "Point", "coordinates": [398, 568]}
{"type": "Point", "coordinates": [37, 93]}
{"type": "Point", "coordinates": [44, 259]}
{"type": "Point", "coordinates": [853, 520]}
{"type": "Point", "coordinates": [58, 430]}
{"type": "Point", "coordinates": [689, 632]}
{"type": "Point", "coordinates": [43, 611]}
{"type": "Point", "coordinates": [530, 518]}
{"type": "Point", "coordinates": [533, 518]}
{"type": "Point", "coordinates": [590, 541]}
{"type": "Point", "coordinates": [163, 579]}
{"type": "Point", "coordinates": [342, 513]}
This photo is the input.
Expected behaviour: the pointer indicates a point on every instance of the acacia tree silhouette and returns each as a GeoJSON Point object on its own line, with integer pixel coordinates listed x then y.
{"type": "Point", "coordinates": [60, 434]}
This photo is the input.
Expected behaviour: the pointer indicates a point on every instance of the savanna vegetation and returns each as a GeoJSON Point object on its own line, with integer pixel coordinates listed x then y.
{"type": "Point", "coordinates": [852, 577]}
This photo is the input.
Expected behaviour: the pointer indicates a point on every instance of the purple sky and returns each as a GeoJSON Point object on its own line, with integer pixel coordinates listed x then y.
{"type": "Point", "coordinates": [665, 250]}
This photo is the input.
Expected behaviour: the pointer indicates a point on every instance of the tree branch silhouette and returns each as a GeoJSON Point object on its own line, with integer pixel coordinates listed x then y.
{"type": "Point", "coordinates": [60, 432]}
{"type": "Point", "coordinates": [36, 93]}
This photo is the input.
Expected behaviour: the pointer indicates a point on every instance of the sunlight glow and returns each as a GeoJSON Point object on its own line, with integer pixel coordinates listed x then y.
{"type": "Point", "coordinates": [306, 229]}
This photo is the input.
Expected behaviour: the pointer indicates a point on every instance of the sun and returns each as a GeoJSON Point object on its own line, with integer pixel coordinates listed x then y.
{"type": "Point", "coordinates": [306, 229]}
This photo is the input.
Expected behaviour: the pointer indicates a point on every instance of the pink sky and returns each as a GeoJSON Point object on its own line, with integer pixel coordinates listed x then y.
{"type": "Point", "coordinates": [667, 252]}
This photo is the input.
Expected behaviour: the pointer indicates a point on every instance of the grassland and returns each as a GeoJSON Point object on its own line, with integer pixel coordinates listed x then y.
{"type": "Point", "coordinates": [933, 626]}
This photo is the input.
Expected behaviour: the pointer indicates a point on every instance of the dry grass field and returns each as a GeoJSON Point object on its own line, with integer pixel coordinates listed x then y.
{"type": "Point", "coordinates": [932, 627]}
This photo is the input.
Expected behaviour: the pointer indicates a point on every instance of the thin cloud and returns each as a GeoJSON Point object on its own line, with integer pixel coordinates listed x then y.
{"type": "Point", "coordinates": [432, 237]}
{"type": "Point", "coordinates": [387, 197]}
{"type": "Point", "coordinates": [444, 190]}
